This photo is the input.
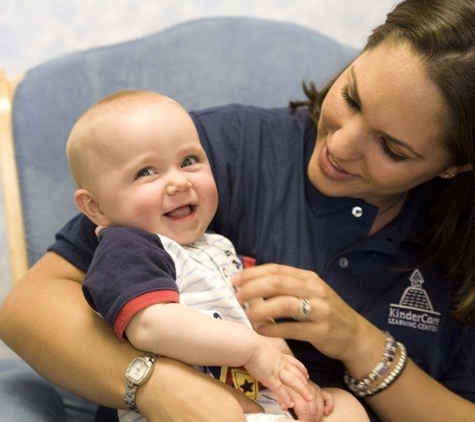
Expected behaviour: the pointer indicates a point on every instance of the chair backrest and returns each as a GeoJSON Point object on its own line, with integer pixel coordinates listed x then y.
{"type": "Point", "coordinates": [200, 63]}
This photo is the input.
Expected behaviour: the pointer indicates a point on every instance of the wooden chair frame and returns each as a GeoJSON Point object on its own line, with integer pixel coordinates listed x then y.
{"type": "Point", "coordinates": [10, 183]}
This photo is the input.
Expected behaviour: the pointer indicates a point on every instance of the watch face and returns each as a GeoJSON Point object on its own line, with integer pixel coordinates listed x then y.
{"type": "Point", "coordinates": [137, 370]}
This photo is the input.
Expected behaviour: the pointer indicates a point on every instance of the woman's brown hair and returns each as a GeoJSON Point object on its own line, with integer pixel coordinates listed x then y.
{"type": "Point", "coordinates": [442, 34]}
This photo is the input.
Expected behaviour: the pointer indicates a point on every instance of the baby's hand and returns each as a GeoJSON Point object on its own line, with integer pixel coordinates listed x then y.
{"type": "Point", "coordinates": [283, 374]}
{"type": "Point", "coordinates": [316, 409]}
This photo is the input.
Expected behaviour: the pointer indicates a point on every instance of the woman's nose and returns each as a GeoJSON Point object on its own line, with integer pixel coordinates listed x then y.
{"type": "Point", "coordinates": [348, 142]}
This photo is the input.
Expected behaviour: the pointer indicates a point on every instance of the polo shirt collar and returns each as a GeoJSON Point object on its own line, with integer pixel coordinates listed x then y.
{"type": "Point", "coordinates": [410, 219]}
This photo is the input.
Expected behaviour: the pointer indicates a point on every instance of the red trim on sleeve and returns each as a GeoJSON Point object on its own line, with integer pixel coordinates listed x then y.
{"type": "Point", "coordinates": [248, 261]}
{"type": "Point", "coordinates": [139, 303]}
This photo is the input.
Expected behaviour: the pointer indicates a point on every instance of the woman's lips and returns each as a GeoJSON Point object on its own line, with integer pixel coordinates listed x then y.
{"type": "Point", "coordinates": [335, 164]}
{"type": "Point", "coordinates": [332, 169]}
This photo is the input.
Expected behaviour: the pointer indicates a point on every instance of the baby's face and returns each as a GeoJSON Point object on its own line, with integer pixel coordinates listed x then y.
{"type": "Point", "coordinates": [153, 173]}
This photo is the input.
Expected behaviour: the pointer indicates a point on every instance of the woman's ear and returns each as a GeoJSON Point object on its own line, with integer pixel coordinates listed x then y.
{"type": "Point", "coordinates": [452, 171]}
{"type": "Point", "coordinates": [89, 206]}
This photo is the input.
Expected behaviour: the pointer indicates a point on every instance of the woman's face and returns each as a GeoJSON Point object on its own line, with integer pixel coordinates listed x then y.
{"type": "Point", "coordinates": [380, 130]}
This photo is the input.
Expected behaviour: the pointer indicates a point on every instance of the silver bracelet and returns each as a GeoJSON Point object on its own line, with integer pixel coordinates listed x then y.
{"type": "Point", "coordinates": [379, 370]}
{"type": "Point", "coordinates": [394, 374]}
{"type": "Point", "coordinates": [363, 387]}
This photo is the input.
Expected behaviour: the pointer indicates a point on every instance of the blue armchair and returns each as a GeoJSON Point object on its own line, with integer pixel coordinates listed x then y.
{"type": "Point", "coordinates": [200, 63]}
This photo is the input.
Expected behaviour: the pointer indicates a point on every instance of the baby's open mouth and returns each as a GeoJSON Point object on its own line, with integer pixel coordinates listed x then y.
{"type": "Point", "coordinates": [181, 212]}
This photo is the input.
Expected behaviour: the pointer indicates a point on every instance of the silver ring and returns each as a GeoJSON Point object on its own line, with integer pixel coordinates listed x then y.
{"type": "Point", "coordinates": [305, 309]}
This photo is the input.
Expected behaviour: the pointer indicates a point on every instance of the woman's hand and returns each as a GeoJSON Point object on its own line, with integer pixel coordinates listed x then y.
{"type": "Point", "coordinates": [331, 326]}
{"type": "Point", "coordinates": [177, 392]}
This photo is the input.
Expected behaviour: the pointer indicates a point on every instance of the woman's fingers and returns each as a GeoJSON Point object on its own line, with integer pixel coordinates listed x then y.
{"type": "Point", "coordinates": [268, 271]}
{"type": "Point", "coordinates": [298, 305]}
{"type": "Point", "coordinates": [274, 280]}
{"type": "Point", "coordinates": [293, 330]}
{"type": "Point", "coordinates": [267, 311]}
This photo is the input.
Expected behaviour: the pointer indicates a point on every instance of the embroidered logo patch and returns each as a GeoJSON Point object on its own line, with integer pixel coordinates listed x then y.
{"type": "Point", "coordinates": [415, 309]}
{"type": "Point", "coordinates": [241, 380]}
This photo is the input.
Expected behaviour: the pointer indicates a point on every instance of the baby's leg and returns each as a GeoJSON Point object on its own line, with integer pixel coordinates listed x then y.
{"type": "Point", "coordinates": [265, 417]}
{"type": "Point", "coordinates": [273, 413]}
{"type": "Point", "coordinates": [130, 416]}
{"type": "Point", "coordinates": [346, 407]}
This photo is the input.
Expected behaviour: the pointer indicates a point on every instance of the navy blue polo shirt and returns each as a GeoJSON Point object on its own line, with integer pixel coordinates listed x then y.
{"type": "Point", "coordinates": [271, 212]}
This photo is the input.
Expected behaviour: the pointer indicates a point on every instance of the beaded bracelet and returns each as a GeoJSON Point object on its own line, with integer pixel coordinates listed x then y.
{"type": "Point", "coordinates": [379, 370]}
{"type": "Point", "coordinates": [393, 375]}
{"type": "Point", "coordinates": [362, 388]}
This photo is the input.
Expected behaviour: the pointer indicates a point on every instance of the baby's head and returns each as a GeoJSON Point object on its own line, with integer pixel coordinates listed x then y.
{"type": "Point", "coordinates": [137, 161]}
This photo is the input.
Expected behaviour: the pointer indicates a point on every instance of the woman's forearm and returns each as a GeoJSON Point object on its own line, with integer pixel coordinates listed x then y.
{"type": "Point", "coordinates": [46, 321]}
{"type": "Point", "coordinates": [416, 397]}
{"type": "Point", "coordinates": [191, 395]}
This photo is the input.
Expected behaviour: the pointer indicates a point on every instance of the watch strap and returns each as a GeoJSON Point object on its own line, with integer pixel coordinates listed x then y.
{"type": "Point", "coordinates": [130, 396]}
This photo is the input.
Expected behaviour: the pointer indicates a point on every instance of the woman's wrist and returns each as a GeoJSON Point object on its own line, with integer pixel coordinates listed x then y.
{"type": "Point", "coordinates": [385, 372]}
{"type": "Point", "coordinates": [366, 351]}
{"type": "Point", "coordinates": [153, 397]}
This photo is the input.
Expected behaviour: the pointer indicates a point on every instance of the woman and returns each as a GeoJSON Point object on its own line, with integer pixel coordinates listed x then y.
{"type": "Point", "coordinates": [349, 187]}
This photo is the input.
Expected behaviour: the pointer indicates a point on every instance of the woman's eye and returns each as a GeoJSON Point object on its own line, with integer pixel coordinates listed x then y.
{"type": "Point", "coordinates": [188, 161]}
{"type": "Point", "coordinates": [389, 153]}
{"type": "Point", "coordinates": [147, 171]}
{"type": "Point", "coordinates": [345, 93]}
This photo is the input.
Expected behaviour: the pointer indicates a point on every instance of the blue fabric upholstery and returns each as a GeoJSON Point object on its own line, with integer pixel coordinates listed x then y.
{"type": "Point", "coordinates": [200, 63]}
{"type": "Point", "coordinates": [27, 397]}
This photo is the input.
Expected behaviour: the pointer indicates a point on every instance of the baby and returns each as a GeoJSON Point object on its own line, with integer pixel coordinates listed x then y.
{"type": "Point", "coordinates": [157, 277]}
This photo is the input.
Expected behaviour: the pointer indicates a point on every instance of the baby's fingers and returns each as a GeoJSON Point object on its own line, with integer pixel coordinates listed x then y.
{"type": "Point", "coordinates": [292, 378]}
{"type": "Point", "coordinates": [327, 402]}
{"type": "Point", "coordinates": [298, 365]}
{"type": "Point", "coordinates": [305, 410]}
{"type": "Point", "coordinates": [311, 411]}
{"type": "Point", "coordinates": [282, 396]}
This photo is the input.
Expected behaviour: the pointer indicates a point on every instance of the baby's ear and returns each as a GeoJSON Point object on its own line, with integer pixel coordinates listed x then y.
{"type": "Point", "coordinates": [89, 206]}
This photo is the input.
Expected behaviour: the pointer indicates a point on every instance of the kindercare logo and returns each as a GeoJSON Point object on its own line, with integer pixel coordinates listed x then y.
{"type": "Point", "coordinates": [415, 310]}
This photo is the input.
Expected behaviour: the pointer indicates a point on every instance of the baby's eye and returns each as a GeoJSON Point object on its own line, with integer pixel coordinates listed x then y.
{"type": "Point", "coordinates": [147, 171]}
{"type": "Point", "coordinates": [188, 161]}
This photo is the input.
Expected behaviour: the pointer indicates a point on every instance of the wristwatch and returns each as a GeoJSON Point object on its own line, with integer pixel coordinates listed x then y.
{"type": "Point", "coordinates": [137, 374]}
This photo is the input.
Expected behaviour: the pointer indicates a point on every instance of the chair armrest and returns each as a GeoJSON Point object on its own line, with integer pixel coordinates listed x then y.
{"type": "Point", "coordinates": [10, 185]}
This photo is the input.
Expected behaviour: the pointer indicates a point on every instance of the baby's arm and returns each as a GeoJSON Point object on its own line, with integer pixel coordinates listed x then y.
{"type": "Point", "coordinates": [152, 323]}
{"type": "Point", "coordinates": [185, 334]}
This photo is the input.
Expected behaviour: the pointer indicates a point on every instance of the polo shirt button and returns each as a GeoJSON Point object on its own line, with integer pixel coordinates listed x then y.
{"type": "Point", "coordinates": [343, 262]}
{"type": "Point", "coordinates": [357, 212]}
{"type": "Point", "coordinates": [225, 273]}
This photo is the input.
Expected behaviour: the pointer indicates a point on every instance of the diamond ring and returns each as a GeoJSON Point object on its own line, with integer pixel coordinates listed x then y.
{"type": "Point", "coordinates": [304, 309]}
